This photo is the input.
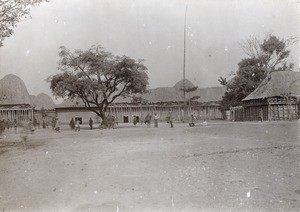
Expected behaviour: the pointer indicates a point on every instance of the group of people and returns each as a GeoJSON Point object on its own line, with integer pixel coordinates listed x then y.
{"type": "Point", "coordinates": [169, 120]}
{"type": "Point", "coordinates": [148, 119]}
{"type": "Point", "coordinates": [37, 123]}
{"type": "Point", "coordinates": [27, 126]}
{"type": "Point", "coordinates": [75, 124]}
{"type": "Point", "coordinates": [7, 124]}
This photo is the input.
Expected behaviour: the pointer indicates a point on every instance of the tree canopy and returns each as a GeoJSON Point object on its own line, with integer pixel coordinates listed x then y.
{"type": "Point", "coordinates": [97, 77]}
{"type": "Point", "coordinates": [11, 12]}
{"type": "Point", "coordinates": [263, 58]}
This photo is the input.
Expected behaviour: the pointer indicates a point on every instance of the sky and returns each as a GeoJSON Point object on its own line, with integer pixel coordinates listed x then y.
{"type": "Point", "coordinates": [152, 30]}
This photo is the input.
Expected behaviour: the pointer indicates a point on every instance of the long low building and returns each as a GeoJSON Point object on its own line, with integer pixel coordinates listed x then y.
{"type": "Point", "coordinates": [160, 100]}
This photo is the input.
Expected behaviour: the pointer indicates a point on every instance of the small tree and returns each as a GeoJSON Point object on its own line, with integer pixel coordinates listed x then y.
{"type": "Point", "coordinates": [11, 12]}
{"type": "Point", "coordinates": [97, 77]}
{"type": "Point", "coordinates": [191, 99]}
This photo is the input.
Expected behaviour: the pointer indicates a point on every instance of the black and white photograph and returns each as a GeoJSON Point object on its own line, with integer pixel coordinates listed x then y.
{"type": "Point", "coordinates": [149, 105]}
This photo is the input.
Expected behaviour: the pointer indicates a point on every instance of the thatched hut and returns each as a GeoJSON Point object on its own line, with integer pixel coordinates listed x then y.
{"type": "Point", "coordinates": [15, 101]}
{"type": "Point", "coordinates": [276, 98]}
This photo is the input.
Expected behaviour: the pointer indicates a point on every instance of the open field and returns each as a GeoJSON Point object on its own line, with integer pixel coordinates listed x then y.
{"type": "Point", "coordinates": [219, 167]}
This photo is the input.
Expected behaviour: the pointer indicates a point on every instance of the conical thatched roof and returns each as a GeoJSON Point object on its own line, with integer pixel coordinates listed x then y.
{"type": "Point", "coordinates": [43, 101]}
{"type": "Point", "coordinates": [277, 84]}
{"type": "Point", "coordinates": [13, 91]}
{"type": "Point", "coordinates": [179, 85]}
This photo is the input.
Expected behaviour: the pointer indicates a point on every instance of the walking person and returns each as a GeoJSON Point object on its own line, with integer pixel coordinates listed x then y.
{"type": "Point", "coordinates": [91, 123]}
{"type": "Point", "coordinates": [155, 120]}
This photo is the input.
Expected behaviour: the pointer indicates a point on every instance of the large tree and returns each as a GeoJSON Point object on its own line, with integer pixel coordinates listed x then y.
{"type": "Point", "coordinates": [97, 77]}
{"type": "Point", "coordinates": [11, 12]}
{"type": "Point", "coordinates": [263, 58]}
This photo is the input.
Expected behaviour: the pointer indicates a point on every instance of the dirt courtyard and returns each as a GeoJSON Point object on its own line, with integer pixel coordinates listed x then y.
{"type": "Point", "coordinates": [222, 166]}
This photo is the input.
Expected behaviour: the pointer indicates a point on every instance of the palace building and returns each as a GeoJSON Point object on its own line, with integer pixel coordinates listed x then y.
{"type": "Point", "coordinates": [16, 103]}
{"type": "Point", "coordinates": [160, 100]}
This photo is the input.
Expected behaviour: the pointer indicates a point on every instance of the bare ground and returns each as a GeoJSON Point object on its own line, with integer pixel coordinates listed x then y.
{"type": "Point", "coordinates": [219, 167]}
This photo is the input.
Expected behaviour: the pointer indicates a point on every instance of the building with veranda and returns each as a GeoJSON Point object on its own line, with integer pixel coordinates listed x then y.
{"type": "Point", "coordinates": [15, 102]}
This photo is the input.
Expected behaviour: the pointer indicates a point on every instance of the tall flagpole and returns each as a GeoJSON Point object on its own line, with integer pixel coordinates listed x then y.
{"type": "Point", "coordinates": [184, 47]}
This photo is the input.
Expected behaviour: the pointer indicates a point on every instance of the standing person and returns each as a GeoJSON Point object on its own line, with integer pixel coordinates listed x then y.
{"type": "Point", "coordinates": [155, 120]}
{"type": "Point", "coordinates": [57, 127]}
{"type": "Point", "coordinates": [116, 120]}
{"type": "Point", "coordinates": [77, 125]}
{"type": "Point", "coordinates": [261, 115]}
{"type": "Point", "coordinates": [30, 126]}
{"type": "Point", "coordinates": [91, 123]}
{"type": "Point", "coordinates": [72, 124]}
{"type": "Point", "coordinates": [8, 124]}
{"type": "Point", "coordinates": [148, 120]}
{"type": "Point", "coordinates": [15, 125]}
{"type": "Point", "coordinates": [192, 123]}
{"type": "Point", "coordinates": [53, 123]}
{"type": "Point", "coordinates": [34, 122]}
{"type": "Point", "coordinates": [134, 120]}
{"type": "Point", "coordinates": [171, 119]}
{"type": "Point", "coordinates": [1, 127]}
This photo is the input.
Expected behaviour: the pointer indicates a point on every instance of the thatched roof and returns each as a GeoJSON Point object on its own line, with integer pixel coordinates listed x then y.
{"type": "Point", "coordinates": [211, 94]}
{"type": "Point", "coordinates": [179, 85]}
{"type": "Point", "coordinates": [162, 94]}
{"type": "Point", "coordinates": [71, 103]}
{"type": "Point", "coordinates": [13, 91]}
{"type": "Point", "coordinates": [43, 101]}
{"type": "Point", "coordinates": [79, 103]}
{"type": "Point", "coordinates": [277, 84]}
